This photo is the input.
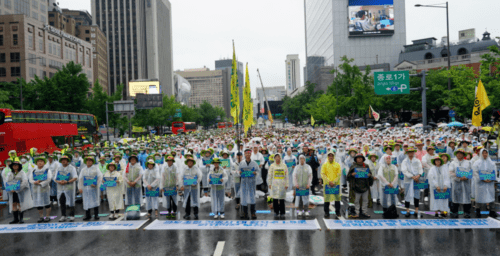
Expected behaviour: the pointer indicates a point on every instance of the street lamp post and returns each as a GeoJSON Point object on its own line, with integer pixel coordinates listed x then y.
{"type": "Point", "coordinates": [447, 31]}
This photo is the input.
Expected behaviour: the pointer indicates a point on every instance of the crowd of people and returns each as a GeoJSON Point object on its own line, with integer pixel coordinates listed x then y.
{"type": "Point", "coordinates": [447, 168]}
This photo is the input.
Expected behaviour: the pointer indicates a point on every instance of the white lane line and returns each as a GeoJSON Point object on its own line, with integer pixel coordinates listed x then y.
{"type": "Point", "coordinates": [219, 248]}
{"type": "Point", "coordinates": [326, 224]}
{"type": "Point", "coordinates": [119, 219]}
{"type": "Point", "coordinates": [317, 224]}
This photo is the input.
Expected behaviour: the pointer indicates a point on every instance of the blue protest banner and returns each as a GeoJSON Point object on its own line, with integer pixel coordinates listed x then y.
{"type": "Point", "coordinates": [89, 180]}
{"type": "Point", "coordinates": [301, 192]}
{"type": "Point", "coordinates": [14, 185]}
{"type": "Point", "coordinates": [61, 177]}
{"type": "Point", "coordinates": [40, 177]}
{"type": "Point", "coordinates": [169, 191]}
{"type": "Point", "coordinates": [335, 190]}
{"type": "Point", "coordinates": [361, 173]}
{"type": "Point", "coordinates": [461, 172]}
{"type": "Point", "coordinates": [247, 172]}
{"type": "Point", "coordinates": [391, 191]}
{"type": "Point", "coordinates": [109, 181]}
{"type": "Point", "coordinates": [153, 193]}
{"type": "Point", "coordinates": [441, 195]}
{"type": "Point", "coordinates": [487, 175]}
{"type": "Point", "coordinates": [215, 179]}
{"type": "Point", "coordinates": [190, 181]}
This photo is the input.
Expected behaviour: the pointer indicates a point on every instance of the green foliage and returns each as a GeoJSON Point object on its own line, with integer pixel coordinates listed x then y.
{"type": "Point", "coordinates": [295, 109]}
{"type": "Point", "coordinates": [96, 104]}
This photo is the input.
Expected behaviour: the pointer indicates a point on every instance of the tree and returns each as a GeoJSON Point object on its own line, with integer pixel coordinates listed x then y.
{"type": "Point", "coordinates": [4, 99]}
{"type": "Point", "coordinates": [294, 108]}
{"type": "Point", "coordinates": [96, 104]}
{"type": "Point", "coordinates": [208, 114]}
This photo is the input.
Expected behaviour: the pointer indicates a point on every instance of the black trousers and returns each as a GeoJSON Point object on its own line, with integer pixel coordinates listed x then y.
{"type": "Point", "coordinates": [188, 207]}
{"type": "Point", "coordinates": [454, 208]}
{"type": "Point", "coordinates": [41, 207]}
{"type": "Point", "coordinates": [315, 181]}
{"type": "Point", "coordinates": [96, 212]}
{"type": "Point", "coordinates": [279, 206]}
{"type": "Point", "coordinates": [62, 202]}
{"type": "Point", "coordinates": [173, 206]}
{"type": "Point", "coordinates": [326, 207]}
{"type": "Point", "coordinates": [416, 202]}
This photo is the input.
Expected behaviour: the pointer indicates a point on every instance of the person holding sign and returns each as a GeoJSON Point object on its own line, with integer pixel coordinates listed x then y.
{"type": "Point", "coordinates": [248, 170]}
{"type": "Point", "coordinates": [168, 184]}
{"type": "Point", "coordinates": [89, 183]}
{"type": "Point", "coordinates": [259, 159]}
{"type": "Point", "coordinates": [65, 178]}
{"type": "Point", "coordinates": [237, 179]}
{"type": "Point", "coordinates": [205, 166]}
{"type": "Point", "coordinates": [278, 184]}
{"type": "Point", "coordinates": [53, 164]}
{"type": "Point", "coordinates": [151, 181]}
{"type": "Point", "coordinates": [5, 171]}
{"type": "Point", "coordinates": [302, 177]}
{"type": "Point", "coordinates": [291, 162]}
{"type": "Point", "coordinates": [460, 174]}
{"type": "Point", "coordinates": [374, 166]}
{"type": "Point", "coordinates": [439, 186]}
{"type": "Point", "coordinates": [360, 178]}
{"type": "Point", "coordinates": [412, 171]}
{"type": "Point", "coordinates": [226, 163]}
{"type": "Point", "coordinates": [132, 177]}
{"type": "Point", "coordinates": [218, 179]}
{"type": "Point", "coordinates": [20, 195]}
{"type": "Point", "coordinates": [331, 174]}
{"type": "Point", "coordinates": [41, 177]}
{"type": "Point", "coordinates": [191, 178]}
{"type": "Point", "coordinates": [114, 193]}
{"type": "Point", "coordinates": [485, 174]}
{"type": "Point", "coordinates": [388, 177]}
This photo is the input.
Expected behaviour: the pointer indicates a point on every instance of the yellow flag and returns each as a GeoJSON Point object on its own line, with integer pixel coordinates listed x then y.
{"type": "Point", "coordinates": [235, 95]}
{"type": "Point", "coordinates": [480, 103]}
{"type": "Point", "coordinates": [312, 120]}
{"type": "Point", "coordinates": [247, 104]}
{"type": "Point", "coordinates": [270, 116]}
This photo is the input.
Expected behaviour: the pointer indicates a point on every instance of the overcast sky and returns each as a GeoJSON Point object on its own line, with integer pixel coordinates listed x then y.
{"type": "Point", "coordinates": [265, 31]}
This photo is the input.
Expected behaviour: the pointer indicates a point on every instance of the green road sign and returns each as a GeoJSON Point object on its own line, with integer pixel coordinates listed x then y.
{"type": "Point", "coordinates": [392, 82]}
{"type": "Point", "coordinates": [178, 115]}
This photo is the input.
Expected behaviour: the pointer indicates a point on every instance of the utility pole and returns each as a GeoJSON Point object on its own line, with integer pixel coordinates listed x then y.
{"type": "Point", "coordinates": [107, 122]}
{"type": "Point", "coordinates": [264, 91]}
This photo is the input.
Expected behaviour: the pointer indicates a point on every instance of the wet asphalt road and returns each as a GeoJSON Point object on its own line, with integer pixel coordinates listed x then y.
{"type": "Point", "coordinates": [247, 242]}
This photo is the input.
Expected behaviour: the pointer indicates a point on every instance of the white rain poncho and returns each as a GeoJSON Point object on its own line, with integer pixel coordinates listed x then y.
{"type": "Point", "coordinates": [151, 178]}
{"type": "Point", "coordinates": [485, 191]}
{"type": "Point", "coordinates": [205, 166]}
{"type": "Point", "coordinates": [248, 184]}
{"type": "Point", "coordinates": [91, 195]}
{"type": "Point", "coordinates": [114, 194]}
{"type": "Point", "coordinates": [439, 177]}
{"type": "Point", "coordinates": [259, 159]}
{"type": "Point", "coordinates": [277, 179]}
{"type": "Point", "coordinates": [23, 193]}
{"type": "Point", "coordinates": [374, 189]}
{"type": "Point", "coordinates": [461, 190]}
{"type": "Point", "coordinates": [387, 174]}
{"type": "Point", "coordinates": [291, 162]}
{"type": "Point", "coordinates": [40, 193]}
{"type": "Point", "coordinates": [302, 176]}
{"type": "Point", "coordinates": [217, 191]}
{"type": "Point", "coordinates": [235, 173]}
{"type": "Point", "coordinates": [52, 169]}
{"type": "Point", "coordinates": [229, 182]}
{"type": "Point", "coordinates": [69, 188]}
{"type": "Point", "coordinates": [169, 181]}
{"type": "Point", "coordinates": [133, 195]}
{"type": "Point", "coordinates": [191, 191]}
{"type": "Point", "coordinates": [411, 168]}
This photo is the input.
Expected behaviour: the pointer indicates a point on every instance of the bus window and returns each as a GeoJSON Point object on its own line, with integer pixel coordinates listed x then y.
{"type": "Point", "coordinates": [2, 118]}
{"type": "Point", "coordinates": [55, 118]}
{"type": "Point", "coordinates": [92, 120]}
{"type": "Point", "coordinates": [59, 141]}
{"type": "Point", "coordinates": [177, 125]}
{"type": "Point", "coordinates": [65, 118]}
{"type": "Point", "coordinates": [32, 118]}
{"type": "Point", "coordinates": [46, 118]}
{"type": "Point", "coordinates": [74, 118]}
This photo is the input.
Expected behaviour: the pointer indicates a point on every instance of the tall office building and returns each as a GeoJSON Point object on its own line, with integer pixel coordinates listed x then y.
{"type": "Point", "coordinates": [273, 93]}
{"type": "Point", "coordinates": [139, 41]}
{"type": "Point", "coordinates": [35, 9]}
{"type": "Point", "coordinates": [227, 65]}
{"type": "Point", "coordinates": [292, 64]}
{"type": "Point", "coordinates": [370, 32]}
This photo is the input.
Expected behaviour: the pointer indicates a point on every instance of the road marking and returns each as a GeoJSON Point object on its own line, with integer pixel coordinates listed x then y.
{"type": "Point", "coordinates": [119, 219]}
{"type": "Point", "coordinates": [219, 248]}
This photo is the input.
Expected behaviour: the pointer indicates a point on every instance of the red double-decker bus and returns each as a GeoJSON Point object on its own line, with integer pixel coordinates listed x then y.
{"type": "Point", "coordinates": [222, 125]}
{"type": "Point", "coordinates": [183, 127]}
{"type": "Point", "coordinates": [22, 130]}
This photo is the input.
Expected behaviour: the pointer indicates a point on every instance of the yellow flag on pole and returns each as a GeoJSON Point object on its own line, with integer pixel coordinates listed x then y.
{"type": "Point", "coordinates": [235, 95]}
{"type": "Point", "coordinates": [247, 104]}
{"type": "Point", "coordinates": [481, 102]}
{"type": "Point", "coordinates": [312, 120]}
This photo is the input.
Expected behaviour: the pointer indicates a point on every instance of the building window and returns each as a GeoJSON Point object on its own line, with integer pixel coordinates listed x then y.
{"type": "Point", "coordinates": [3, 72]}
{"type": "Point", "coordinates": [43, 19]}
{"type": "Point", "coordinates": [51, 15]}
{"type": "Point", "coordinates": [32, 58]}
{"type": "Point", "coordinates": [1, 40]}
{"type": "Point", "coordinates": [51, 23]}
{"type": "Point", "coordinates": [34, 15]}
{"type": "Point", "coordinates": [15, 39]}
{"type": "Point", "coordinates": [43, 62]}
{"type": "Point", "coordinates": [462, 51]}
{"type": "Point", "coordinates": [43, 8]}
{"type": "Point", "coordinates": [35, 4]}
{"type": "Point", "coordinates": [8, 4]}
{"type": "Point", "coordinates": [15, 57]}
{"type": "Point", "coordinates": [2, 57]}
{"type": "Point", "coordinates": [30, 41]}
{"type": "Point", "coordinates": [87, 31]}
{"type": "Point", "coordinates": [429, 56]}
{"type": "Point", "coordinates": [40, 45]}
{"type": "Point", "coordinates": [87, 39]}
{"type": "Point", "coordinates": [32, 72]}
{"type": "Point", "coordinates": [15, 71]}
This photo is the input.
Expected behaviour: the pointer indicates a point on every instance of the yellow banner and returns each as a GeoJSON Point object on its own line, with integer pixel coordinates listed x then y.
{"type": "Point", "coordinates": [235, 96]}
{"type": "Point", "coordinates": [481, 102]}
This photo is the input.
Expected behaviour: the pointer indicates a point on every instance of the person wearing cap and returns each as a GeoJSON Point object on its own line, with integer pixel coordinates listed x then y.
{"type": "Point", "coordinates": [388, 177]}
{"type": "Point", "coordinates": [248, 187]}
{"type": "Point", "coordinates": [41, 187]}
{"type": "Point", "coordinates": [217, 191]}
{"type": "Point", "coordinates": [114, 195]}
{"type": "Point", "coordinates": [90, 192]}
{"type": "Point", "coordinates": [132, 177]}
{"type": "Point", "coordinates": [331, 173]}
{"type": "Point", "coordinates": [278, 185]}
{"type": "Point", "coordinates": [169, 181]}
{"type": "Point", "coordinates": [5, 171]}
{"type": "Point", "coordinates": [66, 188]}
{"type": "Point", "coordinates": [229, 183]}
{"type": "Point", "coordinates": [258, 158]}
{"type": "Point", "coordinates": [237, 179]}
{"type": "Point", "coordinates": [205, 166]}
{"type": "Point", "coordinates": [374, 165]}
{"type": "Point", "coordinates": [485, 188]}
{"type": "Point", "coordinates": [412, 171]}
{"type": "Point", "coordinates": [461, 187]}
{"type": "Point", "coordinates": [450, 150]}
{"type": "Point", "coordinates": [77, 161]}
{"type": "Point", "coordinates": [420, 150]}
{"type": "Point", "coordinates": [439, 181]}
{"type": "Point", "coordinates": [19, 200]}
{"type": "Point", "coordinates": [191, 192]}
{"type": "Point", "coordinates": [291, 162]}
{"type": "Point", "coordinates": [27, 165]}
{"type": "Point", "coordinates": [13, 156]}
{"type": "Point", "coordinates": [268, 160]}
{"type": "Point", "coordinates": [302, 177]}
{"type": "Point", "coordinates": [312, 160]}
{"type": "Point", "coordinates": [151, 181]}
{"type": "Point", "coordinates": [360, 186]}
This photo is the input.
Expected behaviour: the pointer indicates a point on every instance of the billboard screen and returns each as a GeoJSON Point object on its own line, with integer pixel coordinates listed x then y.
{"type": "Point", "coordinates": [147, 87]}
{"type": "Point", "coordinates": [371, 17]}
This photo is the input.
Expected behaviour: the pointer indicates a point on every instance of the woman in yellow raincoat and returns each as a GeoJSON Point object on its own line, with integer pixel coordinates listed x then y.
{"type": "Point", "coordinates": [331, 173]}
{"type": "Point", "coordinates": [277, 179]}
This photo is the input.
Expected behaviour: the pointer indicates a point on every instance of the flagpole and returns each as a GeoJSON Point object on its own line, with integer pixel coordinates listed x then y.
{"type": "Point", "coordinates": [264, 91]}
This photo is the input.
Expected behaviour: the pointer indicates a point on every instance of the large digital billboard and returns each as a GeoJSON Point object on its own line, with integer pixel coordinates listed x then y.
{"type": "Point", "coordinates": [371, 17]}
{"type": "Point", "coordinates": [148, 87]}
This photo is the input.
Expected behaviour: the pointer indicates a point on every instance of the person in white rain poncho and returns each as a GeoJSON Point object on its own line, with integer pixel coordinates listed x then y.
{"type": "Point", "coordinates": [191, 178]}
{"type": "Point", "coordinates": [388, 177]}
{"type": "Point", "coordinates": [302, 177]}
{"type": "Point", "coordinates": [439, 181]}
{"type": "Point", "coordinates": [40, 177]}
{"type": "Point", "coordinates": [65, 178]}
{"type": "Point", "coordinates": [249, 171]}
{"type": "Point", "coordinates": [291, 162]}
{"type": "Point", "coordinates": [217, 190]}
{"type": "Point", "coordinates": [412, 171]}
{"type": "Point", "coordinates": [114, 194]}
{"type": "Point", "coordinates": [237, 179]}
{"type": "Point", "coordinates": [132, 177]}
{"type": "Point", "coordinates": [89, 184]}
{"type": "Point", "coordinates": [373, 164]}
{"type": "Point", "coordinates": [226, 164]}
{"type": "Point", "coordinates": [169, 185]}
{"type": "Point", "coordinates": [485, 173]}
{"type": "Point", "coordinates": [278, 184]}
{"type": "Point", "coordinates": [20, 197]}
{"type": "Point", "coordinates": [52, 164]}
{"type": "Point", "coordinates": [205, 166]}
{"type": "Point", "coordinates": [461, 185]}
{"type": "Point", "coordinates": [5, 171]}
{"type": "Point", "coordinates": [151, 181]}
